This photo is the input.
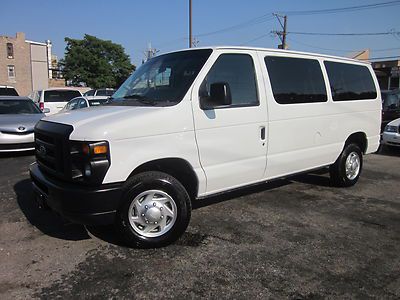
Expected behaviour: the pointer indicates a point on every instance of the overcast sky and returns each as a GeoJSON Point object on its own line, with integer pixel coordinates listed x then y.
{"type": "Point", "coordinates": [165, 24]}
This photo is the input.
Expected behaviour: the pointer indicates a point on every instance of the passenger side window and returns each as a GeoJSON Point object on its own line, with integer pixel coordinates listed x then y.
{"type": "Point", "coordinates": [237, 70]}
{"type": "Point", "coordinates": [350, 82]}
{"type": "Point", "coordinates": [296, 80]}
{"type": "Point", "coordinates": [89, 93]}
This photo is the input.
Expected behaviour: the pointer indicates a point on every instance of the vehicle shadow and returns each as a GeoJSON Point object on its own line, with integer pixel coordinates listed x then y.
{"type": "Point", "coordinates": [386, 151]}
{"type": "Point", "coordinates": [317, 177]}
{"type": "Point", "coordinates": [45, 220]}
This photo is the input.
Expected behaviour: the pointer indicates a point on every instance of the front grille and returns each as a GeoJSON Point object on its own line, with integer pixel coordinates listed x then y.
{"type": "Point", "coordinates": [51, 148]}
{"type": "Point", "coordinates": [20, 146]}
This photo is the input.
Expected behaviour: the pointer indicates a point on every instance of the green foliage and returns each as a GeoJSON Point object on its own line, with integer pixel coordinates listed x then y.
{"type": "Point", "coordinates": [95, 62]}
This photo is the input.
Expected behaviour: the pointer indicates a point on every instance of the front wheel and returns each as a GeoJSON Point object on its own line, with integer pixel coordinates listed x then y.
{"type": "Point", "coordinates": [347, 168]}
{"type": "Point", "coordinates": [155, 210]}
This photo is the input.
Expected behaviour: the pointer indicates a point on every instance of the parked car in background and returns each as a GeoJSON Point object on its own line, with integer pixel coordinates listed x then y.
{"type": "Point", "coordinates": [6, 90]}
{"type": "Point", "coordinates": [18, 117]}
{"type": "Point", "coordinates": [83, 102]}
{"type": "Point", "coordinates": [391, 134]}
{"type": "Point", "coordinates": [99, 93]}
{"type": "Point", "coordinates": [390, 106]}
{"type": "Point", "coordinates": [54, 99]}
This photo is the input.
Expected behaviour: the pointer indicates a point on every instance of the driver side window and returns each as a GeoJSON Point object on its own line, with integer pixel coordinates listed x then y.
{"type": "Point", "coordinates": [237, 70]}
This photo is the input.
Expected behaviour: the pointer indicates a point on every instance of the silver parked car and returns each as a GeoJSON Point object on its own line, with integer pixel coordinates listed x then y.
{"type": "Point", "coordinates": [18, 117]}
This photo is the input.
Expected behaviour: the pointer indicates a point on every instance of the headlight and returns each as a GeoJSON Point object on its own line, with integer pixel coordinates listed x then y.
{"type": "Point", "coordinates": [390, 128]}
{"type": "Point", "coordinates": [89, 161]}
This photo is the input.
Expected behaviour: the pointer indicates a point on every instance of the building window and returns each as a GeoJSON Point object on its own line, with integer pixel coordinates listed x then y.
{"type": "Point", "coordinates": [11, 72]}
{"type": "Point", "coordinates": [10, 50]}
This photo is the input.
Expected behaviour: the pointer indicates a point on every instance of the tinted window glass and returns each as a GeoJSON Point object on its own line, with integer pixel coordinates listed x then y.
{"type": "Point", "coordinates": [89, 93]}
{"type": "Point", "coordinates": [350, 82]}
{"type": "Point", "coordinates": [82, 103]}
{"type": "Point", "coordinates": [60, 95]}
{"type": "Point", "coordinates": [296, 80]}
{"type": "Point", "coordinates": [18, 107]}
{"type": "Point", "coordinates": [238, 71]}
{"type": "Point", "coordinates": [8, 91]}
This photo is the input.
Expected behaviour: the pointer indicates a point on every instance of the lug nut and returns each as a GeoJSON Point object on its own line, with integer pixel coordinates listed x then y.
{"type": "Point", "coordinates": [161, 208]}
{"type": "Point", "coordinates": [142, 215]}
{"type": "Point", "coordinates": [154, 204]}
{"type": "Point", "coordinates": [162, 217]}
{"type": "Point", "coordinates": [147, 222]}
{"type": "Point", "coordinates": [155, 222]}
{"type": "Point", "coordinates": [146, 207]}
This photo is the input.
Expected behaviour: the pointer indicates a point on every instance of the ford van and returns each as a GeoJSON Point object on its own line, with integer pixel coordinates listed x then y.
{"type": "Point", "coordinates": [191, 124]}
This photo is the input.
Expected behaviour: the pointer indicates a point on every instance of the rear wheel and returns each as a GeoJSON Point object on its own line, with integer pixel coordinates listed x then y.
{"type": "Point", "coordinates": [347, 168]}
{"type": "Point", "coordinates": [155, 210]}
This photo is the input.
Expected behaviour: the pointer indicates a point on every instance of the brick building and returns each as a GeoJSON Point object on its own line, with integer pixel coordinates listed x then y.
{"type": "Point", "coordinates": [24, 64]}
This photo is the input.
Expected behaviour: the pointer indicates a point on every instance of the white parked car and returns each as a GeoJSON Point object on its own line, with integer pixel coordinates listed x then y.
{"type": "Point", "coordinates": [83, 102]}
{"type": "Point", "coordinates": [54, 99]}
{"type": "Point", "coordinates": [194, 123]}
{"type": "Point", "coordinates": [391, 134]}
{"type": "Point", "coordinates": [99, 93]}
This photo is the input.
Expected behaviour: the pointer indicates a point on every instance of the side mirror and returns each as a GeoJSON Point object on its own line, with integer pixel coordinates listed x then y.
{"type": "Point", "coordinates": [220, 96]}
{"type": "Point", "coordinates": [46, 110]}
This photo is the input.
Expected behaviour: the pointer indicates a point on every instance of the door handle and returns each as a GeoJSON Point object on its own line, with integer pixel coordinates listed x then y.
{"type": "Point", "coordinates": [262, 129]}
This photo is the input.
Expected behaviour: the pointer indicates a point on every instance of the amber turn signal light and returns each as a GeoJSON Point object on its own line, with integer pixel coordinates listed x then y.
{"type": "Point", "coordinates": [100, 149]}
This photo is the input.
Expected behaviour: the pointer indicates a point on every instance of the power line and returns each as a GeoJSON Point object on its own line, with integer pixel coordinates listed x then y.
{"type": "Point", "coordinates": [342, 9]}
{"type": "Point", "coordinates": [383, 57]}
{"type": "Point", "coordinates": [341, 50]}
{"type": "Point", "coordinates": [345, 34]}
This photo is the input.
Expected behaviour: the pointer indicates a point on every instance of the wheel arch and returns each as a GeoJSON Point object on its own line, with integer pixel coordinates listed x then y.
{"type": "Point", "coordinates": [179, 168]}
{"type": "Point", "coordinates": [358, 138]}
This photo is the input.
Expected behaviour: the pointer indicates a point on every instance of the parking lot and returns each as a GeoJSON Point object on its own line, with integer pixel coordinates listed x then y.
{"type": "Point", "coordinates": [296, 238]}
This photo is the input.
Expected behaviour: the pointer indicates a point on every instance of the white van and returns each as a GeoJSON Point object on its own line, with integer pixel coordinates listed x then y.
{"type": "Point", "coordinates": [52, 100]}
{"type": "Point", "coordinates": [190, 124]}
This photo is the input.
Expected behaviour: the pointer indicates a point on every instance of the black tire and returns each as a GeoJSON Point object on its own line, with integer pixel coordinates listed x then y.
{"type": "Point", "coordinates": [338, 169]}
{"type": "Point", "coordinates": [153, 181]}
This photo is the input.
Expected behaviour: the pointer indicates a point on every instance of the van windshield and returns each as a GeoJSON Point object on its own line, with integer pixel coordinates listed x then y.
{"type": "Point", "coordinates": [163, 80]}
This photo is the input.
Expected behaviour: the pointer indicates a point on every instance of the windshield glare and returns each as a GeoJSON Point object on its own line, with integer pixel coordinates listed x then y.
{"type": "Point", "coordinates": [8, 107]}
{"type": "Point", "coordinates": [162, 80]}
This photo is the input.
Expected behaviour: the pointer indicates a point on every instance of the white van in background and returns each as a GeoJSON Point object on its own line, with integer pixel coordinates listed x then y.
{"type": "Point", "coordinates": [53, 99]}
{"type": "Point", "coordinates": [194, 123]}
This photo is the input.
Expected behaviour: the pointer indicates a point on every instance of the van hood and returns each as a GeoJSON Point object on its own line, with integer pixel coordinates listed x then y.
{"type": "Point", "coordinates": [118, 122]}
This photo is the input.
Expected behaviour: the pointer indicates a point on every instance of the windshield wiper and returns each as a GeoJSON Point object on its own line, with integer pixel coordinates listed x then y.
{"type": "Point", "coordinates": [141, 99]}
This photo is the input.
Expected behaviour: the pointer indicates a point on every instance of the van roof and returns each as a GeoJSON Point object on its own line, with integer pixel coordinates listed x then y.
{"type": "Point", "coordinates": [276, 51]}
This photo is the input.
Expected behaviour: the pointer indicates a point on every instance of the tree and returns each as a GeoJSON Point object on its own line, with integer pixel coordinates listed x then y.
{"type": "Point", "coordinates": [96, 63]}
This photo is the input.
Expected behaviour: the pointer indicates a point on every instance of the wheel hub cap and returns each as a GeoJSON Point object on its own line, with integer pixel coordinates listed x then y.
{"type": "Point", "coordinates": [352, 165]}
{"type": "Point", "coordinates": [152, 213]}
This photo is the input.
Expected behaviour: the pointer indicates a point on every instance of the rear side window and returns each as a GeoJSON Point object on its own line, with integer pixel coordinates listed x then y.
{"type": "Point", "coordinates": [89, 93]}
{"type": "Point", "coordinates": [296, 80]}
{"type": "Point", "coordinates": [238, 71]}
{"type": "Point", "coordinates": [350, 82]}
{"type": "Point", "coordinates": [8, 91]}
{"type": "Point", "coordinates": [60, 95]}
{"type": "Point", "coordinates": [105, 92]}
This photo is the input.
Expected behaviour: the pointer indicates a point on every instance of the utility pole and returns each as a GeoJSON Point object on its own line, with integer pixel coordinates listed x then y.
{"type": "Point", "coordinates": [283, 33]}
{"type": "Point", "coordinates": [190, 24]}
{"type": "Point", "coordinates": [149, 53]}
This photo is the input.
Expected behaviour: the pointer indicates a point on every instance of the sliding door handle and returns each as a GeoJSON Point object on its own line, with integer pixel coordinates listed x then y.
{"type": "Point", "coordinates": [262, 129]}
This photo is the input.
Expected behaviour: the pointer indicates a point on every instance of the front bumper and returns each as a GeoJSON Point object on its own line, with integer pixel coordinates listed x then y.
{"type": "Point", "coordinates": [16, 142]}
{"type": "Point", "coordinates": [391, 139]}
{"type": "Point", "coordinates": [80, 204]}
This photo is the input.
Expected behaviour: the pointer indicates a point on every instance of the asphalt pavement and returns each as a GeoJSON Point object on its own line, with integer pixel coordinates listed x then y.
{"type": "Point", "coordinates": [296, 238]}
